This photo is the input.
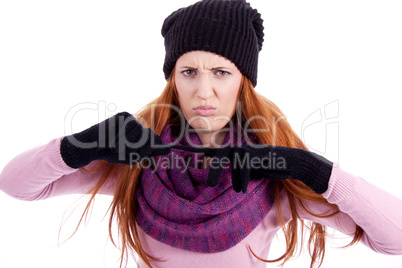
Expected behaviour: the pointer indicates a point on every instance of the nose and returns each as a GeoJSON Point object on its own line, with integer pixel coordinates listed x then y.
{"type": "Point", "coordinates": [205, 88]}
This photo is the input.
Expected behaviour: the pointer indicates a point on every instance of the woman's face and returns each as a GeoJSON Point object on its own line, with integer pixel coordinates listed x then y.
{"type": "Point", "coordinates": [208, 87]}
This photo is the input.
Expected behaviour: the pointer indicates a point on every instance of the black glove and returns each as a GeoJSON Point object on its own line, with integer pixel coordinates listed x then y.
{"type": "Point", "coordinates": [271, 162]}
{"type": "Point", "coordinates": [285, 162]}
{"type": "Point", "coordinates": [117, 140]}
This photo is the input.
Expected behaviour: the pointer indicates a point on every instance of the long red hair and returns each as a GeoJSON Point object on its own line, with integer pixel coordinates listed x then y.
{"type": "Point", "coordinates": [124, 206]}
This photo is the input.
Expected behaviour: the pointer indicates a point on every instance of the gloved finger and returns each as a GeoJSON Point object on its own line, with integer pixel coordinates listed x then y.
{"type": "Point", "coordinates": [153, 145]}
{"type": "Point", "coordinates": [214, 175]}
{"type": "Point", "coordinates": [236, 160]}
{"type": "Point", "coordinates": [134, 132]}
{"type": "Point", "coordinates": [158, 147]}
{"type": "Point", "coordinates": [215, 170]}
{"type": "Point", "coordinates": [210, 152]}
{"type": "Point", "coordinates": [245, 177]}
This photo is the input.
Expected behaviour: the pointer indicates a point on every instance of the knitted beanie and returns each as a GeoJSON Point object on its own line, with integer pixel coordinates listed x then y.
{"type": "Point", "coordinates": [230, 28]}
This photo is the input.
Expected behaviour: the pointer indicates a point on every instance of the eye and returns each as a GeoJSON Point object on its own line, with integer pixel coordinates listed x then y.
{"type": "Point", "coordinates": [221, 73]}
{"type": "Point", "coordinates": [189, 72]}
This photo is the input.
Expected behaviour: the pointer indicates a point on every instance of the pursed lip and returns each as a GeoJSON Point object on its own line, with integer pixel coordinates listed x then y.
{"type": "Point", "coordinates": [205, 110]}
{"type": "Point", "coordinates": [205, 107]}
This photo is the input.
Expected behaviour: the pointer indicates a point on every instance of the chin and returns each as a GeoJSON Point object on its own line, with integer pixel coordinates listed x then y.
{"type": "Point", "coordinates": [207, 124]}
{"type": "Point", "coordinates": [203, 128]}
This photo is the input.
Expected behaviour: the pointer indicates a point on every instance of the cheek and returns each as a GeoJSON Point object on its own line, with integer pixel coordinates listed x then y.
{"type": "Point", "coordinates": [184, 97]}
{"type": "Point", "coordinates": [229, 98]}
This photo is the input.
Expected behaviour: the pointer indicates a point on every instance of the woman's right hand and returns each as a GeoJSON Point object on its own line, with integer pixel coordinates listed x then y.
{"type": "Point", "coordinates": [117, 140]}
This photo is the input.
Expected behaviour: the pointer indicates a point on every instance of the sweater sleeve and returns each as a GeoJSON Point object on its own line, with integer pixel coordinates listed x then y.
{"type": "Point", "coordinates": [377, 212]}
{"type": "Point", "coordinates": [41, 173]}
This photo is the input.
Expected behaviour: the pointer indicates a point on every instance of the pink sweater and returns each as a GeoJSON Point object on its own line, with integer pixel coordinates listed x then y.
{"type": "Point", "coordinates": [41, 173]}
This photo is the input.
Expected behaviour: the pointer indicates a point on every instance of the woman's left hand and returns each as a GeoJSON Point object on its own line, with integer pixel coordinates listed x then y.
{"type": "Point", "coordinates": [266, 161]}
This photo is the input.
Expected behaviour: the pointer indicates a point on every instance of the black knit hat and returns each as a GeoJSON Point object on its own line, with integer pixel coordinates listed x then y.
{"type": "Point", "coordinates": [230, 28]}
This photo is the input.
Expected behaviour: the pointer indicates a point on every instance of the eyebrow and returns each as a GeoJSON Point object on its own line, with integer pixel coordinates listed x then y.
{"type": "Point", "coordinates": [212, 69]}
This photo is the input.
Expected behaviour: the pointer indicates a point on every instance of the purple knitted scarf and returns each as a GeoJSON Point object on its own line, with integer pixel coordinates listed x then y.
{"type": "Point", "coordinates": [177, 207]}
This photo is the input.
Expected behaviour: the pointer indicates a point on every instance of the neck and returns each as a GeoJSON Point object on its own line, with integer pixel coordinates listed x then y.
{"type": "Point", "coordinates": [212, 139]}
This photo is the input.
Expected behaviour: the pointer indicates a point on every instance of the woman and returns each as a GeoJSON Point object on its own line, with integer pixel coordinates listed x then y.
{"type": "Point", "coordinates": [169, 208]}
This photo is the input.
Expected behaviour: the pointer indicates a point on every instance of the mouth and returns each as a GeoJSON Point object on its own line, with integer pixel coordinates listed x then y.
{"type": "Point", "coordinates": [204, 110]}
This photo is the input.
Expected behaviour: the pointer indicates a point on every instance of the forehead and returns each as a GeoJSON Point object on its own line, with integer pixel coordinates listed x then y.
{"type": "Point", "coordinates": [204, 58]}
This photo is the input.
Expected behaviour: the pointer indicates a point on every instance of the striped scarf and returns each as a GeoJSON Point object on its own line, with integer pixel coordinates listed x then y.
{"type": "Point", "coordinates": [177, 207]}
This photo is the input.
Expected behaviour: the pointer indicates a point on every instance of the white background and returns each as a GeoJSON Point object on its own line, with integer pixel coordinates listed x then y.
{"type": "Point", "coordinates": [54, 55]}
